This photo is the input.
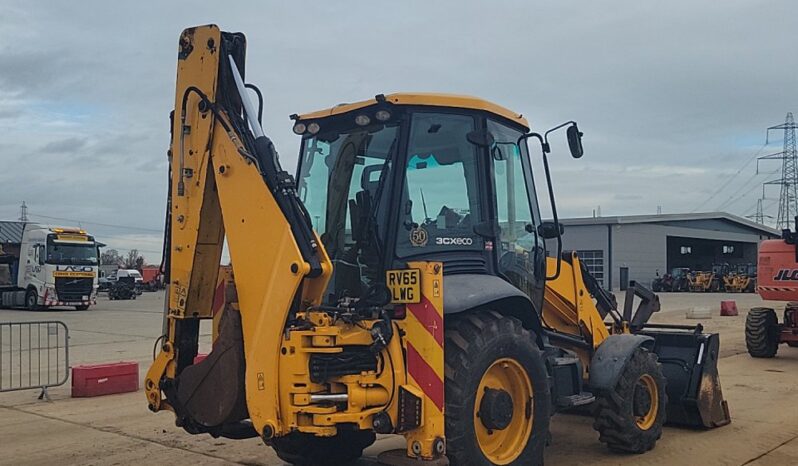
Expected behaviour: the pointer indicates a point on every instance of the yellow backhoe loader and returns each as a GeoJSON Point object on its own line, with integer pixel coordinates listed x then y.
{"type": "Point", "coordinates": [399, 284]}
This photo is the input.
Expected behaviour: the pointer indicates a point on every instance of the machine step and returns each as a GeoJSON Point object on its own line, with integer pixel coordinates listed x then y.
{"type": "Point", "coordinates": [572, 401]}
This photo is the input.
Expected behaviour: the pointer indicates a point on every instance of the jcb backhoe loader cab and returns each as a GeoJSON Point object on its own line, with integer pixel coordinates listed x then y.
{"type": "Point", "coordinates": [395, 285]}
{"type": "Point", "coordinates": [425, 177]}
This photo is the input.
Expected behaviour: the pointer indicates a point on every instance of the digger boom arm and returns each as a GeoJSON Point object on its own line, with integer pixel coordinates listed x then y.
{"type": "Point", "coordinates": [226, 182]}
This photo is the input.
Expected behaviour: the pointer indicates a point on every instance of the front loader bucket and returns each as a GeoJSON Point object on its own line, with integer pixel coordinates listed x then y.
{"type": "Point", "coordinates": [689, 361]}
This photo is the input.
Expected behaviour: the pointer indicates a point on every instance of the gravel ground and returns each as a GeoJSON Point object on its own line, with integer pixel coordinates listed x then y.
{"type": "Point", "coordinates": [119, 429]}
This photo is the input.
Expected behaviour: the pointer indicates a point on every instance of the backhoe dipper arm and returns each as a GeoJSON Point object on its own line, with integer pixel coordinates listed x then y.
{"type": "Point", "coordinates": [225, 180]}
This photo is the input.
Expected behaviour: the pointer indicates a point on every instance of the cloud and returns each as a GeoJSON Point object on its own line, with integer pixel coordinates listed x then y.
{"type": "Point", "coordinates": [62, 146]}
{"type": "Point", "coordinates": [672, 97]}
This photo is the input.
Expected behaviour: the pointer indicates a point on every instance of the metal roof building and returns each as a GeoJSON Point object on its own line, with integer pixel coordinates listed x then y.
{"type": "Point", "coordinates": [620, 249]}
{"type": "Point", "coordinates": [11, 232]}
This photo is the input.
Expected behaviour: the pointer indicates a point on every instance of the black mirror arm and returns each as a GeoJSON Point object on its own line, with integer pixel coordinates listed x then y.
{"type": "Point", "coordinates": [556, 219]}
{"type": "Point", "coordinates": [544, 150]}
{"type": "Point", "coordinates": [545, 141]}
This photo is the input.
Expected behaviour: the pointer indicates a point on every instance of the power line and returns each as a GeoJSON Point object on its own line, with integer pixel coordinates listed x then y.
{"type": "Point", "coordinates": [109, 225]}
{"type": "Point", "coordinates": [729, 180]}
{"type": "Point", "coordinates": [137, 249]}
{"type": "Point", "coordinates": [732, 199]}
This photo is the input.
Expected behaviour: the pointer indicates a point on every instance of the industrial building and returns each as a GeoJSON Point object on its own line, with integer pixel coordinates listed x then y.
{"type": "Point", "coordinates": [620, 249]}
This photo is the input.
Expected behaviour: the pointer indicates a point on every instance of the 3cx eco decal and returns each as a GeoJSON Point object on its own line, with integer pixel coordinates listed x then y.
{"type": "Point", "coordinates": [446, 241]}
{"type": "Point", "coordinates": [418, 237]}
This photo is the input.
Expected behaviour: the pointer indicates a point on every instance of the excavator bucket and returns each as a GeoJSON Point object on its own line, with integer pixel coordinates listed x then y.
{"type": "Point", "coordinates": [689, 359]}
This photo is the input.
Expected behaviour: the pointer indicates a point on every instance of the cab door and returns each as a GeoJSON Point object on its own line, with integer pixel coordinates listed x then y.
{"type": "Point", "coordinates": [442, 209]}
{"type": "Point", "coordinates": [520, 252]}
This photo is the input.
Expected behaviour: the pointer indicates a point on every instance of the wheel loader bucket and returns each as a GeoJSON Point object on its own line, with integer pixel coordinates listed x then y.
{"type": "Point", "coordinates": [689, 361]}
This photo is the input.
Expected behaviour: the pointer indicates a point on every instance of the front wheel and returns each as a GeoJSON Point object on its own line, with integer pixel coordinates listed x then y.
{"type": "Point", "coordinates": [762, 332]}
{"type": "Point", "coordinates": [497, 393]}
{"type": "Point", "coordinates": [630, 417]}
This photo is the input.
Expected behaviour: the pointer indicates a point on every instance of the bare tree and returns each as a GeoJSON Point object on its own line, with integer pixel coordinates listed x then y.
{"type": "Point", "coordinates": [133, 260]}
{"type": "Point", "coordinates": [110, 257]}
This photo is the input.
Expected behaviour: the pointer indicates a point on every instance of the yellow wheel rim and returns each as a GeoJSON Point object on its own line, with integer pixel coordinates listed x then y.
{"type": "Point", "coordinates": [503, 446]}
{"type": "Point", "coordinates": [647, 383]}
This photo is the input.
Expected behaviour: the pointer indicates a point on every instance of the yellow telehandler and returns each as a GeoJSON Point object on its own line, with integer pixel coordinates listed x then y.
{"type": "Point", "coordinates": [399, 284]}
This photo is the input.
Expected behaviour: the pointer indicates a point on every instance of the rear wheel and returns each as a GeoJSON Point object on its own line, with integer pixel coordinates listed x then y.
{"type": "Point", "coordinates": [497, 394]}
{"type": "Point", "coordinates": [309, 450]}
{"type": "Point", "coordinates": [630, 417]}
{"type": "Point", "coordinates": [762, 332]}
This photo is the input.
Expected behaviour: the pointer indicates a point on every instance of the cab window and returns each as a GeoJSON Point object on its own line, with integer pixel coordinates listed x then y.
{"type": "Point", "coordinates": [440, 199]}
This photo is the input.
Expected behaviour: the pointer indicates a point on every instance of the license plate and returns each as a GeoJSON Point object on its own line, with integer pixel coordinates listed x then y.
{"type": "Point", "coordinates": [405, 285]}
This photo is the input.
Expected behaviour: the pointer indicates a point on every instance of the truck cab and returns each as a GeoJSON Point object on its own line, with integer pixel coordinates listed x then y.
{"type": "Point", "coordinates": [51, 266]}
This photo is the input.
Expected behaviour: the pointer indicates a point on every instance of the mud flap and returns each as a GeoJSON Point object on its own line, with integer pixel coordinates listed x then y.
{"type": "Point", "coordinates": [689, 361]}
{"type": "Point", "coordinates": [210, 395]}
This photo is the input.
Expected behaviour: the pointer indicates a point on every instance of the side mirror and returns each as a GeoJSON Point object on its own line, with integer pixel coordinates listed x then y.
{"type": "Point", "coordinates": [40, 253]}
{"type": "Point", "coordinates": [575, 141]}
{"type": "Point", "coordinates": [549, 230]}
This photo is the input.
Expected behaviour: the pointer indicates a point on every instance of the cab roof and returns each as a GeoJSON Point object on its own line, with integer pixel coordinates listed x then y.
{"type": "Point", "coordinates": [422, 99]}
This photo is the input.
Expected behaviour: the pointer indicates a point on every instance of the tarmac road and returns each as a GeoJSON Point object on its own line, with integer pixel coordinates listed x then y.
{"type": "Point", "coordinates": [118, 429]}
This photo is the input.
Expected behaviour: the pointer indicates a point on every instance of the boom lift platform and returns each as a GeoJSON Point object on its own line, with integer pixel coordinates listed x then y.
{"type": "Point", "coordinates": [398, 285]}
{"type": "Point", "coordinates": [777, 275]}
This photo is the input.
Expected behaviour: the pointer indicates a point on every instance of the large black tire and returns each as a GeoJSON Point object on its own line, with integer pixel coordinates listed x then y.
{"type": "Point", "coordinates": [32, 300]}
{"type": "Point", "coordinates": [475, 343]}
{"type": "Point", "coordinates": [627, 418]}
{"type": "Point", "coordinates": [656, 286]}
{"type": "Point", "coordinates": [308, 450]}
{"type": "Point", "coordinates": [762, 332]}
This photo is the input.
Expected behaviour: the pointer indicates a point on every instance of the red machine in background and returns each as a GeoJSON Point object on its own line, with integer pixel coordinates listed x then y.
{"type": "Point", "coordinates": [152, 278]}
{"type": "Point", "coordinates": [777, 281]}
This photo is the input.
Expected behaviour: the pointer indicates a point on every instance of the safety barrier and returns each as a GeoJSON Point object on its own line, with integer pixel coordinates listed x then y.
{"type": "Point", "coordinates": [33, 355]}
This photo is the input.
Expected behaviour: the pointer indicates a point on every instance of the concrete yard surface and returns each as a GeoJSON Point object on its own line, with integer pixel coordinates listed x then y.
{"type": "Point", "coordinates": [119, 430]}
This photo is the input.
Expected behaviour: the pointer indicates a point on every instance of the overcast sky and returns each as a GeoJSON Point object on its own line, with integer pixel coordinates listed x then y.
{"type": "Point", "coordinates": [673, 97]}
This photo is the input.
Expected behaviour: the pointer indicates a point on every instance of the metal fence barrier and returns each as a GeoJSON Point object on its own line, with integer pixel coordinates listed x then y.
{"type": "Point", "coordinates": [33, 355]}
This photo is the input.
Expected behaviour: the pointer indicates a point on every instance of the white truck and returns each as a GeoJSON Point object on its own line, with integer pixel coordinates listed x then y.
{"type": "Point", "coordinates": [43, 266]}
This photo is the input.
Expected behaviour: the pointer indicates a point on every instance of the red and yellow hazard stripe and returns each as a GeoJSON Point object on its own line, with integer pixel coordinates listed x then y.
{"type": "Point", "coordinates": [424, 343]}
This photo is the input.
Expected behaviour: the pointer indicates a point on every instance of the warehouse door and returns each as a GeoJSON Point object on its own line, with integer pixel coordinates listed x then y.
{"type": "Point", "coordinates": [594, 261]}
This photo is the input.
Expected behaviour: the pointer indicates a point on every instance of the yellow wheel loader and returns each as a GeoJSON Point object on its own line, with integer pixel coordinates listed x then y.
{"type": "Point", "coordinates": [398, 285]}
{"type": "Point", "coordinates": [701, 281]}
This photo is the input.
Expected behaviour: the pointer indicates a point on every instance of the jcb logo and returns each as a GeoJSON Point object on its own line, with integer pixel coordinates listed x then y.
{"type": "Point", "coordinates": [787, 274]}
{"type": "Point", "coordinates": [454, 241]}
